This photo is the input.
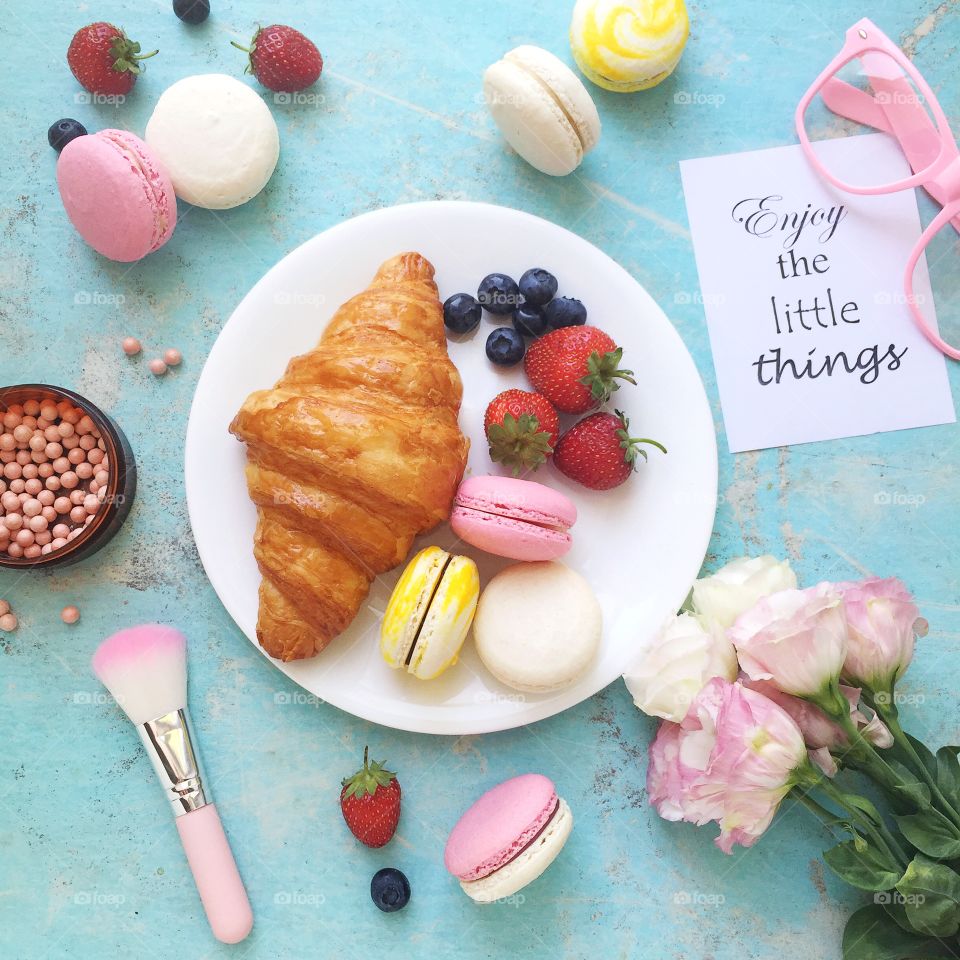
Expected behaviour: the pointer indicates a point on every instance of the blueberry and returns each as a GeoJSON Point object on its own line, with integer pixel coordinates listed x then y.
{"type": "Point", "coordinates": [461, 313]}
{"type": "Point", "coordinates": [499, 294]}
{"type": "Point", "coordinates": [192, 11]}
{"type": "Point", "coordinates": [538, 286]}
{"type": "Point", "coordinates": [63, 131]}
{"type": "Point", "coordinates": [505, 347]}
{"type": "Point", "coordinates": [565, 312]}
{"type": "Point", "coordinates": [529, 320]}
{"type": "Point", "coordinates": [390, 889]}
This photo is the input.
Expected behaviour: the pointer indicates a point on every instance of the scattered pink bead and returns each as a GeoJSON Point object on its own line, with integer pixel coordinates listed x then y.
{"type": "Point", "coordinates": [61, 464]}
{"type": "Point", "coordinates": [46, 497]}
{"type": "Point", "coordinates": [49, 514]}
{"type": "Point", "coordinates": [13, 521]}
{"type": "Point", "coordinates": [24, 457]}
{"type": "Point", "coordinates": [15, 550]}
{"type": "Point", "coordinates": [31, 408]}
{"type": "Point", "coordinates": [96, 456]}
{"type": "Point", "coordinates": [29, 471]}
{"type": "Point", "coordinates": [45, 470]}
{"type": "Point", "coordinates": [18, 486]}
{"type": "Point", "coordinates": [131, 346]}
{"type": "Point", "coordinates": [53, 450]}
{"type": "Point", "coordinates": [78, 514]}
{"type": "Point", "coordinates": [87, 442]}
{"type": "Point", "coordinates": [59, 542]}
{"type": "Point", "coordinates": [157, 367]}
{"type": "Point", "coordinates": [70, 614]}
{"type": "Point", "coordinates": [172, 357]}
{"type": "Point", "coordinates": [33, 551]}
{"type": "Point", "coordinates": [4, 608]}
{"type": "Point", "coordinates": [62, 504]}
{"type": "Point", "coordinates": [32, 507]}
{"type": "Point", "coordinates": [69, 479]}
{"type": "Point", "coordinates": [7, 441]}
{"type": "Point", "coordinates": [76, 497]}
{"type": "Point", "coordinates": [12, 470]}
{"type": "Point", "coordinates": [52, 483]}
{"type": "Point", "coordinates": [22, 434]}
{"type": "Point", "coordinates": [8, 622]}
{"type": "Point", "coordinates": [38, 524]}
{"type": "Point", "coordinates": [84, 470]}
{"type": "Point", "coordinates": [43, 537]}
{"type": "Point", "coordinates": [48, 411]}
{"type": "Point", "coordinates": [76, 455]}
{"type": "Point", "coordinates": [24, 537]}
{"type": "Point", "coordinates": [61, 530]}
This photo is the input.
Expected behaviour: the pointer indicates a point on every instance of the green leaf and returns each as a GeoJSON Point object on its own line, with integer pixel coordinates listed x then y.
{"type": "Point", "coordinates": [862, 865]}
{"type": "Point", "coordinates": [926, 757]}
{"type": "Point", "coordinates": [931, 893]}
{"type": "Point", "coordinates": [931, 833]}
{"type": "Point", "coordinates": [864, 806]}
{"type": "Point", "coordinates": [873, 935]}
{"type": "Point", "coordinates": [910, 787]}
{"type": "Point", "coordinates": [948, 773]}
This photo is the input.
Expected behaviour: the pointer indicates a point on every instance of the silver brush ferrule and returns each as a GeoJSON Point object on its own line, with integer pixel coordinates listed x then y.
{"type": "Point", "coordinates": [170, 749]}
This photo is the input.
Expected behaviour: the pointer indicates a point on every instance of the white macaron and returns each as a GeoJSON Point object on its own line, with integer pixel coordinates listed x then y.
{"type": "Point", "coordinates": [216, 137]}
{"type": "Point", "coordinates": [542, 109]}
{"type": "Point", "coordinates": [537, 626]}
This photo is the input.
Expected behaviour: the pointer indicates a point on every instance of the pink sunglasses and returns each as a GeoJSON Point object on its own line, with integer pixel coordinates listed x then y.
{"type": "Point", "coordinates": [887, 93]}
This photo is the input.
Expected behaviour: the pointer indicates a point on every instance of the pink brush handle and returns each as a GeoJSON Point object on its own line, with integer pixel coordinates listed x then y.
{"type": "Point", "coordinates": [215, 871]}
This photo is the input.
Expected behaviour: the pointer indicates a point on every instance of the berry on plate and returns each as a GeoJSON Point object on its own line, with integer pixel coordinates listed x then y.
{"type": "Point", "coordinates": [461, 313]}
{"type": "Point", "coordinates": [565, 312]}
{"type": "Point", "coordinates": [499, 294]}
{"type": "Point", "coordinates": [283, 59]}
{"type": "Point", "coordinates": [599, 452]}
{"type": "Point", "coordinates": [390, 889]}
{"type": "Point", "coordinates": [192, 11]}
{"type": "Point", "coordinates": [529, 320]}
{"type": "Point", "coordinates": [538, 286]}
{"type": "Point", "coordinates": [505, 347]}
{"type": "Point", "coordinates": [63, 131]}
{"type": "Point", "coordinates": [104, 60]}
{"type": "Point", "coordinates": [522, 429]}
{"type": "Point", "coordinates": [576, 368]}
{"type": "Point", "coordinates": [370, 802]}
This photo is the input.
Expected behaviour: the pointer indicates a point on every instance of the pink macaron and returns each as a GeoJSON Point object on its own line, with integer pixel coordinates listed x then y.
{"type": "Point", "coordinates": [508, 837]}
{"type": "Point", "coordinates": [512, 518]}
{"type": "Point", "coordinates": [117, 194]}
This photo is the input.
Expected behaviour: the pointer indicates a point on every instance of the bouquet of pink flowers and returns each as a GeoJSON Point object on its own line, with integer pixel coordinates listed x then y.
{"type": "Point", "coordinates": [766, 690]}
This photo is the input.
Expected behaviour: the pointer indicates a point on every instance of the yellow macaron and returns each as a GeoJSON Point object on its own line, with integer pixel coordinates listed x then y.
{"type": "Point", "coordinates": [430, 613]}
{"type": "Point", "coordinates": [628, 45]}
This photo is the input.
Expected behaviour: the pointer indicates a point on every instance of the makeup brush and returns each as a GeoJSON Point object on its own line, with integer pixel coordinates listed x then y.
{"type": "Point", "coordinates": [145, 670]}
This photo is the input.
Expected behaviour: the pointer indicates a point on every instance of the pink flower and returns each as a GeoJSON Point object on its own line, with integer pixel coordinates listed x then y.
{"type": "Point", "coordinates": [796, 638]}
{"type": "Point", "coordinates": [732, 760]}
{"type": "Point", "coordinates": [817, 728]}
{"type": "Point", "coordinates": [882, 620]}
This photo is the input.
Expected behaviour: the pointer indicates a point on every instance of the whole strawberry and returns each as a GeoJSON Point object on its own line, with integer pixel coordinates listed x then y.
{"type": "Point", "coordinates": [370, 802]}
{"type": "Point", "coordinates": [522, 429]}
{"type": "Point", "coordinates": [599, 451]}
{"type": "Point", "coordinates": [104, 60]}
{"type": "Point", "coordinates": [576, 368]}
{"type": "Point", "coordinates": [283, 59]}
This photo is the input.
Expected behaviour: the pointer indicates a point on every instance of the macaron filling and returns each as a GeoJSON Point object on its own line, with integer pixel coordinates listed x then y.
{"type": "Point", "coordinates": [424, 609]}
{"type": "Point", "coordinates": [585, 143]}
{"type": "Point", "coordinates": [481, 507]}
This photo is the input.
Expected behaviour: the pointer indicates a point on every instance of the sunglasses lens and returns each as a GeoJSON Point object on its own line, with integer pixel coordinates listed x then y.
{"type": "Point", "coordinates": [939, 269]}
{"type": "Point", "coordinates": [872, 94]}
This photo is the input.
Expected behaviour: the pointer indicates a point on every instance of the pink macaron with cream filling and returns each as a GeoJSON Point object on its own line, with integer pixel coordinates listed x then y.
{"type": "Point", "coordinates": [519, 519]}
{"type": "Point", "coordinates": [508, 837]}
{"type": "Point", "coordinates": [117, 194]}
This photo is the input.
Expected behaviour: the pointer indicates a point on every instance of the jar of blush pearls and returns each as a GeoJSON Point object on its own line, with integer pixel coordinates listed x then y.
{"type": "Point", "coordinates": [67, 477]}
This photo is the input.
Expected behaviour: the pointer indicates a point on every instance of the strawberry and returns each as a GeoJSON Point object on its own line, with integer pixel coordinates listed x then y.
{"type": "Point", "coordinates": [370, 802]}
{"type": "Point", "coordinates": [283, 59]}
{"type": "Point", "coordinates": [576, 368]}
{"type": "Point", "coordinates": [104, 60]}
{"type": "Point", "coordinates": [522, 429]}
{"type": "Point", "coordinates": [599, 451]}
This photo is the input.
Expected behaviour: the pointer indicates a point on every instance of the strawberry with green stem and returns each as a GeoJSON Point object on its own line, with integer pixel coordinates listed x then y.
{"type": "Point", "coordinates": [104, 60]}
{"type": "Point", "coordinates": [522, 429]}
{"type": "Point", "coordinates": [370, 803]}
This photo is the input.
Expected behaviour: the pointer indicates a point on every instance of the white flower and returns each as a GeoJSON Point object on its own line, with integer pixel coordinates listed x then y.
{"type": "Point", "coordinates": [674, 669]}
{"type": "Point", "coordinates": [719, 599]}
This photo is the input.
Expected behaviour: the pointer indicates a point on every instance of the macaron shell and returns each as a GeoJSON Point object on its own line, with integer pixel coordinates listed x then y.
{"type": "Point", "coordinates": [507, 537]}
{"type": "Point", "coordinates": [117, 194]}
{"type": "Point", "coordinates": [520, 499]}
{"type": "Point", "coordinates": [448, 619]}
{"type": "Point", "coordinates": [531, 120]}
{"type": "Point", "coordinates": [408, 605]}
{"type": "Point", "coordinates": [217, 138]}
{"type": "Point", "coordinates": [538, 626]}
{"type": "Point", "coordinates": [566, 87]}
{"type": "Point", "coordinates": [526, 867]}
{"type": "Point", "coordinates": [499, 825]}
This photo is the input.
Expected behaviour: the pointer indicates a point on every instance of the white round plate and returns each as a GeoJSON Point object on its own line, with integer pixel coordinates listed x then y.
{"type": "Point", "coordinates": [640, 545]}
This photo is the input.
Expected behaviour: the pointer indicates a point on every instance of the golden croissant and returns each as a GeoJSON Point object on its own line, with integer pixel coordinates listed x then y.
{"type": "Point", "coordinates": [354, 452]}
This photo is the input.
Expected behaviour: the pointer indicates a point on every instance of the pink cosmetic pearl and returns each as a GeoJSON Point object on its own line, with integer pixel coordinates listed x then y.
{"type": "Point", "coordinates": [85, 425]}
{"type": "Point", "coordinates": [46, 497]}
{"type": "Point", "coordinates": [3, 485]}
{"type": "Point", "coordinates": [42, 424]}
{"type": "Point", "coordinates": [87, 442]}
{"type": "Point", "coordinates": [52, 483]}
{"type": "Point", "coordinates": [62, 504]}
{"type": "Point", "coordinates": [9, 501]}
{"type": "Point", "coordinates": [12, 470]}
{"type": "Point", "coordinates": [23, 457]}
{"type": "Point", "coordinates": [102, 494]}
{"type": "Point", "coordinates": [70, 614]}
{"type": "Point", "coordinates": [76, 497]}
{"type": "Point", "coordinates": [61, 530]}
{"type": "Point", "coordinates": [91, 503]}
{"type": "Point", "coordinates": [33, 551]}
{"type": "Point", "coordinates": [31, 408]}
{"type": "Point", "coordinates": [7, 456]}
{"type": "Point", "coordinates": [157, 367]}
{"type": "Point", "coordinates": [43, 537]}
{"type": "Point", "coordinates": [48, 411]}
{"type": "Point", "coordinates": [61, 464]}
{"type": "Point", "coordinates": [18, 486]}
{"type": "Point", "coordinates": [48, 514]}
{"type": "Point", "coordinates": [95, 456]}
{"type": "Point", "coordinates": [25, 537]}
{"type": "Point", "coordinates": [33, 487]}
{"type": "Point", "coordinates": [101, 476]}
{"type": "Point", "coordinates": [7, 441]}
{"type": "Point", "coordinates": [84, 470]}
{"type": "Point", "coordinates": [15, 551]}
{"type": "Point", "coordinates": [22, 495]}
{"type": "Point", "coordinates": [59, 542]}
{"type": "Point", "coordinates": [32, 507]}
{"type": "Point", "coordinates": [78, 514]}
{"type": "Point", "coordinates": [22, 435]}
{"type": "Point", "coordinates": [71, 415]}
{"type": "Point", "coordinates": [45, 470]}
{"type": "Point", "coordinates": [131, 346]}
{"type": "Point", "coordinates": [172, 357]}
{"type": "Point", "coordinates": [51, 435]}
{"type": "Point", "coordinates": [53, 450]}
{"type": "Point", "coordinates": [38, 441]}
{"type": "Point", "coordinates": [69, 479]}
{"type": "Point", "coordinates": [65, 428]}
{"type": "Point", "coordinates": [11, 420]}
{"type": "Point", "coordinates": [70, 442]}
{"type": "Point", "coordinates": [76, 455]}
{"type": "Point", "coordinates": [4, 534]}
{"type": "Point", "coordinates": [38, 524]}
{"type": "Point", "coordinates": [29, 471]}
{"type": "Point", "coordinates": [13, 521]}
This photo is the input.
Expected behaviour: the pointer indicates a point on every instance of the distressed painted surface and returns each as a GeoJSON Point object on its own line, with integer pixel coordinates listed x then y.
{"type": "Point", "coordinates": [89, 862]}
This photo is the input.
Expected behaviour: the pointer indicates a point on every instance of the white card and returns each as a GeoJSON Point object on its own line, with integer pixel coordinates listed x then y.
{"type": "Point", "coordinates": [836, 268]}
